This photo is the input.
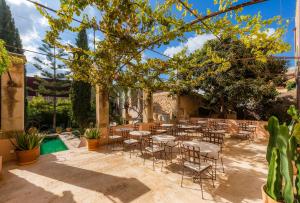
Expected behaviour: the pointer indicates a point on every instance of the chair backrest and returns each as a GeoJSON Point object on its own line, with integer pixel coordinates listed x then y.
{"type": "Point", "coordinates": [125, 134]}
{"type": "Point", "coordinates": [243, 126]}
{"type": "Point", "coordinates": [190, 154]}
{"type": "Point", "coordinates": [214, 138]}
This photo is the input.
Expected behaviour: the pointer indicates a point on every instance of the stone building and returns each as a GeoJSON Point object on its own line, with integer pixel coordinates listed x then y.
{"type": "Point", "coordinates": [168, 107]}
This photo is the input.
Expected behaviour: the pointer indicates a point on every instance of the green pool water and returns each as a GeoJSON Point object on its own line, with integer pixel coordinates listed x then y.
{"type": "Point", "coordinates": [51, 145]}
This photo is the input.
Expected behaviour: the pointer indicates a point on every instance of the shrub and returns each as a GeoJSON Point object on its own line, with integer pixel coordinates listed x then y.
{"type": "Point", "coordinates": [290, 85]}
{"type": "Point", "coordinates": [40, 113]}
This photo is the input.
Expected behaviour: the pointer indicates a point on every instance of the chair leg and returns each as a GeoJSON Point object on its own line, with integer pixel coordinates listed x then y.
{"type": "Point", "coordinates": [201, 186]}
{"type": "Point", "coordinates": [182, 175]}
{"type": "Point", "coordinates": [222, 165]}
{"type": "Point", "coordinates": [153, 159]}
{"type": "Point", "coordinates": [212, 179]}
{"type": "Point", "coordinates": [215, 176]}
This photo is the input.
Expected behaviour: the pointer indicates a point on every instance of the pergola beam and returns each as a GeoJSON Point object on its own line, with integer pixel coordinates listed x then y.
{"type": "Point", "coordinates": [232, 8]}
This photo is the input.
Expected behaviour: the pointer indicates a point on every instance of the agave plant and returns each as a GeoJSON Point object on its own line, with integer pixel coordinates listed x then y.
{"type": "Point", "coordinates": [27, 140]}
{"type": "Point", "coordinates": [92, 133]}
{"type": "Point", "coordinates": [281, 156]}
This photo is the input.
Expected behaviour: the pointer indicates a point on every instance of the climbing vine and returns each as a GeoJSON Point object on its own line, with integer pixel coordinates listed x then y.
{"type": "Point", "coordinates": [5, 61]}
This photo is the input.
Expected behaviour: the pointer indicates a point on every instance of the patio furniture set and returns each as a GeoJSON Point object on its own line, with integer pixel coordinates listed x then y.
{"type": "Point", "coordinates": [198, 144]}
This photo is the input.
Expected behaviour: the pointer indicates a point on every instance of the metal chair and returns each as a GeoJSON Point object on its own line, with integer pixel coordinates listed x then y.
{"type": "Point", "coordinates": [153, 149]}
{"type": "Point", "coordinates": [244, 132]}
{"type": "Point", "coordinates": [114, 138]}
{"type": "Point", "coordinates": [191, 158]}
{"type": "Point", "coordinates": [130, 142]}
{"type": "Point", "coordinates": [217, 139]}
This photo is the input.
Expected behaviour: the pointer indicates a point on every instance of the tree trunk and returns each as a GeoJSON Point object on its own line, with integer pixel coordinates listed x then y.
{"type": "Point", "coordinates": [222, 107]}
{"type": "Point", "coordinates": [102, 111]}
{"type": "Point", "coordinates": [54, 98]}
{"type": "Point", "coordinates": [54, 112]}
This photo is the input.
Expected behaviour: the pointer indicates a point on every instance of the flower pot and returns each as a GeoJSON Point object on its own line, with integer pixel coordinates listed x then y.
{"type": "Point", "coordinates": [58, 130]}
{"type": "Point", "coordinates": [69, 129]}
{"type": "Point", "coordinates": [266, 198]}
{"type": "Point", "coordinates": [92, 144]}
{"type": "Point", "coordinates": [28, 156]}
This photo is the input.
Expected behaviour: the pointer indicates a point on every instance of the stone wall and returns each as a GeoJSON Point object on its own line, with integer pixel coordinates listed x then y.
{"type": "Point", "coordinates": [12, 108]}
{"type": "Point", "coordinates": [167, 107]}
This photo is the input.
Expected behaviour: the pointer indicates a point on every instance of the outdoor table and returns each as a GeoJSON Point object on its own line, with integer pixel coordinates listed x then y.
{"type": "Point", "coordinates": [163, 138]}
{"type": "Point", "coordinates": [244, 132]}
{"type": "Point", "coordinates": [187, 126]}
{"type": "Point", "coordinates": [167, 125]}
{"type": "Point", "coordinates": [124, 129]}
{"type": "Point", "coordinates": [140, 133]}
{"type": "Point", "coordinates": [218, 131]}
{"type": "Point", "coordinates": [205, 147]}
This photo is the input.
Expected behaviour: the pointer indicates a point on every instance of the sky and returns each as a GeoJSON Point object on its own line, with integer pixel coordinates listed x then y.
{"type": "Point", "coordinates": [32, 26]}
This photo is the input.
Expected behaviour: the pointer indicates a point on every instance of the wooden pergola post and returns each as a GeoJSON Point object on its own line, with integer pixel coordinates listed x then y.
{"type": "Point", "coordinates": [102, 112]}
{"type": "Point", "coordinates": [147, 106]}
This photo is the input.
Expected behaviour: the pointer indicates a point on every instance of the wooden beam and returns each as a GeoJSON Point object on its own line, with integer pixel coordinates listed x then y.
{"type": "Point", "coordinates": [232, 8]}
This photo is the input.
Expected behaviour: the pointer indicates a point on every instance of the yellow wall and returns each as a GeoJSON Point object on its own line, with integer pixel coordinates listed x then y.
{"type": "Point", "coordinates": [12, 108]}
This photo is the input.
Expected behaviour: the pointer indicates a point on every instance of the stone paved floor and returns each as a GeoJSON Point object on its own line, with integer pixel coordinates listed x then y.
{"type": "Point", "coordinates": [80, 176]}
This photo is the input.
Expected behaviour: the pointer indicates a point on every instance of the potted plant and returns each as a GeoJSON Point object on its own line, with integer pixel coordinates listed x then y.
{"type": "Point", "coordinates": [92, 136]}
{"type": "Point", "coordinates": [58, 130]}
{"type": "Point", "coordinates": [283, 158]}
{"type": "Point", "coordinates": [27, 146]}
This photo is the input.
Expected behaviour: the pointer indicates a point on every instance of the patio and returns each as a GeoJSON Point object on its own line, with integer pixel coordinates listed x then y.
{"type": "Point", "coordinates": [77, 175]}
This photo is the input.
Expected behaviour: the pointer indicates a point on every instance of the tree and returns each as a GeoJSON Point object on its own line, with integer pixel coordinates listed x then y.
{"type": "Point", "coordinates": [53, 82]}
{"type": "Point", "coordinates": [80, 90]}
{"type": "Point", "coordinates": [8, 32]}
{"type": "Point", "coordinates": [129, 27]}
{"type": "Point", "coordinates": [247, 86]}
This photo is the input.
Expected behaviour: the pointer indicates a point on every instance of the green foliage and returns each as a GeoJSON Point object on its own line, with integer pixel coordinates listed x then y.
{"type": "Point", "coordinates": [27, 141]}
{"type": "Point", "coordinates": [5, 61]}
{"type": "Point", "coordinates": [281, 154]}
{"type": "Point", "coordinates": [40, 113]}
{"type": "Point", "coordinates": [81, 91]}
{"type": "Point", "coordinates": [244, 86]}
{"type": "Point", "coordinates": [92, 133]}
{"type": "Point", "coordinates": [290, 85]}
{"type": "Point", "coordinates": [8, 32]}
{"type": "Point", "coordinates": [52, 83]}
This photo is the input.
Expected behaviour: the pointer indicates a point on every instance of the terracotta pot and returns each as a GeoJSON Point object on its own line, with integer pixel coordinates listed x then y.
{"type": "Point", "coordinates": [92, 144]}
{"type": "Point", "coordinates": [69, 129]}
{"type": "Point", "coordinates": [58, 130]}
{"type": "Point", "coordinates": [28, 156]}
{"type": "Point", "coordinates": [266, 198]}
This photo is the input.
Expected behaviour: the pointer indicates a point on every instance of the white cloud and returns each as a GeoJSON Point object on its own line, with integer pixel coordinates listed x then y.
{"type": "Point", "coordinates": [192, 44]}
{"type": "Point", "coordinates": [43, 22]}
{"type": "Point", "coordinates": [21, 2]}
{"type": "Point", "coordinates": [270, 31]}
{"type": "Point", "coordinates": [31, 41]}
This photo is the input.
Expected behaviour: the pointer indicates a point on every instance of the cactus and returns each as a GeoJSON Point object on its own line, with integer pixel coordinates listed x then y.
{"type": "Point", "coordinates": [274, 180]}
{"type": "Point", "coordinates": [281, 153]}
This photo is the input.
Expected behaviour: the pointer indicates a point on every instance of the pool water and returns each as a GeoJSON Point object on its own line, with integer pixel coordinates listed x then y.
{"type": "Point", "coordinates": [51, 145]}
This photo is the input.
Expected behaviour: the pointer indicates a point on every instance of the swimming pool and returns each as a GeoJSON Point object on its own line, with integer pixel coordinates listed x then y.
{"type": "Point", "coordinates": [51, 145]}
